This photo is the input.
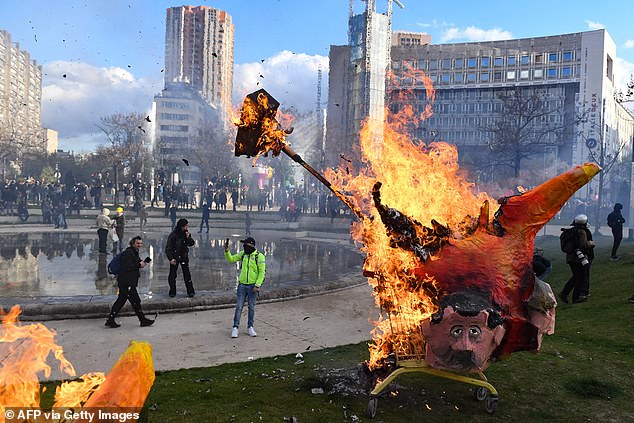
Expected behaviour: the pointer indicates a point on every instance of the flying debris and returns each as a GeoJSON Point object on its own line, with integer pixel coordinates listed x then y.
{"type": "Point", "coordinates": [147, 119]}
{"type": "Point", "coordinates": [214, 54]}
{"type": "Point", "coordinates": [186, 162]}
{"type": "Point", "coordinates": [261, 76]}
{"type": "Point", "coordinates": [139, 127]}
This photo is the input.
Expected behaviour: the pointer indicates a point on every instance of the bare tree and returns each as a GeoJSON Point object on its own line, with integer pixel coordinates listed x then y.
{"type": "Point", "coordinates": [525, 125]}
{"type": "Point", "coordinates": [128, 144]}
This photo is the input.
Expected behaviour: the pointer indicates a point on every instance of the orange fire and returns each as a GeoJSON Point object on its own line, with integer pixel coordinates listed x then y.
{"type": "Point", "coordinates": [425, 183]}
{"type": "Point", "coordinates": [259, 115]}
{"type": "Point", "coordinates": [25, 350]}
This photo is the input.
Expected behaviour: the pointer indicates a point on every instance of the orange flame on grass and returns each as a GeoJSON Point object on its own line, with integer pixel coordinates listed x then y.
{"type": "Point", "coordinates": [424, 182]}
{"type": "Point", "coordinates": [25, 348]}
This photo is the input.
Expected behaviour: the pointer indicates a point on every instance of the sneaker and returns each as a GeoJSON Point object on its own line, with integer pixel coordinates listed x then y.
{"type": "Point", "coordinates": [251, 331]}
{"type": "Point", "coordinates": [146, 322]}
{"type": "Point", "coordinates": [112, 324]}
{"type": "Point", "coordinates": [234, 332]}
{"type": "Point", "coordinates": [581, 299]}
{"type": "Point", "coordinates": [631, 299]}
{"type": "Point", "coordinates": [615, 258]}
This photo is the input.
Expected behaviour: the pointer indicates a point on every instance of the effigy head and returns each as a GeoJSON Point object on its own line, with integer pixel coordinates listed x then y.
{"type": "Point", "coordinates": [463, 334]}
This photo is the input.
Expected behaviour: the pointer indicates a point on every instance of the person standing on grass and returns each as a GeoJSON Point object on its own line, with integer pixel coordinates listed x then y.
{"type": "Point", "coordinates": [616, 221]}
{"type": "Point", "coordinates": [252, 273]}
{"type": "Point", "coordinates": [580, 262]}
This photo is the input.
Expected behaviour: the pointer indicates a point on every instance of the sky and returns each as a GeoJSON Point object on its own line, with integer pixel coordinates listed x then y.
{"type": "Point", "coordinates": [101, 57]}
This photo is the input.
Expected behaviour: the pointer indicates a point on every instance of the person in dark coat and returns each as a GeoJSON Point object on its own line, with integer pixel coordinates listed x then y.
{"type": "Point", "coordinates": [541, 265]}
{"type": "Point", "coordinates": [616, 221]}
{"type": "Point", "coordinates": [177, 252]}
{"type": "Point", "coordinates": [205, 218]}
{"type": "Point", "coordinates": [127, 281]}
{"type": "Point", "coordinates": [580, 262]}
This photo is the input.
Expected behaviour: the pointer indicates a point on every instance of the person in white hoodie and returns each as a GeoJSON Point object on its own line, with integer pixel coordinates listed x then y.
{"type": "Point", "coordinates": [104, 223]}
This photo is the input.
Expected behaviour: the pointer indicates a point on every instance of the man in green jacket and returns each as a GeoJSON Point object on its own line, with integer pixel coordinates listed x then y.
{"type": "Point", "coordinates": [252, 273]}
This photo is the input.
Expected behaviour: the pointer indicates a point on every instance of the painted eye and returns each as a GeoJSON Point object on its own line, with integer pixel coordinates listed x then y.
{"type": "Point", "coordinates": [474, 332]}
{"type": "Point", "coordinates": [456, 331]}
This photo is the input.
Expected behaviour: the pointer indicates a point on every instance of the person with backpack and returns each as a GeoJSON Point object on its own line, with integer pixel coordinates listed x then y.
{"type": "Point", "coordinates": [616, 221]}
{"type": "Point", "coordinates": [252, 273]}
{"type": "Point", "coordinates": [177, 252]}
{"type": "Point", "coordinates": [578, 245]}
{"type": "Point", "coordinates": [127, 281]}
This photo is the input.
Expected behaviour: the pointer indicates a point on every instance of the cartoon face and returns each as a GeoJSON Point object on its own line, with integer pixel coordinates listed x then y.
{"type": "Point", "coordinates": [462, 343]}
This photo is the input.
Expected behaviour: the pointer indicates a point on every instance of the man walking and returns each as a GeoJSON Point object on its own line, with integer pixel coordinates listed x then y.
{"type": "Point", "coordinates": [127, 281]}
{"type": "Point", "coordinates": [580, 261]}
{"type": "Point", "coordinates": [616, 221]}
{"type": "Point", "coordinates": [177, 252]}
{"type": "Point", "coordinates": [252, 273]}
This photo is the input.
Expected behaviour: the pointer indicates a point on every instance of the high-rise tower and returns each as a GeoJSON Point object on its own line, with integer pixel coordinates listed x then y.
{"type": "Point", "coordinates": [199, 51]}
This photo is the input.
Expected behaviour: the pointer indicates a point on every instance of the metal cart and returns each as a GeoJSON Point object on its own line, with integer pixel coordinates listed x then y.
{"type": "Point", "coordinates": [413, 361]}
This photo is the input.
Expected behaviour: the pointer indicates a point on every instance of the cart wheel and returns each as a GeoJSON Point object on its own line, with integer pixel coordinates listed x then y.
{"type": "Point", "coordinates": [491, 404]}
{"type": "Point", "coordinates": [371, 410]}
{"type": "Point", "coordinates": [480, 393]}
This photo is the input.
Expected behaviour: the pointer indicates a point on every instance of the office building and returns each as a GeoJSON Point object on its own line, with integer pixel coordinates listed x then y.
{"type": "Point", "coordinates": [20, 95]}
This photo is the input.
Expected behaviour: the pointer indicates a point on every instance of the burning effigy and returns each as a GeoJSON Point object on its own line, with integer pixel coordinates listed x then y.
{"type": "Point", "coordinates": [451, 269]}
{"type": "Point", "coordinates": [25, 349]}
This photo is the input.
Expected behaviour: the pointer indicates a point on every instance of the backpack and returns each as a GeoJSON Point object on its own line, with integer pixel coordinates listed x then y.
{"type": "Point", "coordinates": [114, 267]}
{"type": "Point", "coordinates": [568, 240]}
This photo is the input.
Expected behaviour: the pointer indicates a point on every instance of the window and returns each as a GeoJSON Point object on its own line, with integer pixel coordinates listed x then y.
{"type": "Point", "coordinates": [421, 65]}
{"type": "Point", "coordinates": [510, 75]}
{"type": "Point", "coordinates": [510, 60]}
{"type": "Point", "coordinates": [498, 61]}
{"type": "Point", "coordinates": [539, 58]}
{"type": "Point", "coordinates": [433, 64]}
{"type": "Point", "coordinates": [524, 74]}
{"type": "Point", "coordinates": [552, 57]}
{"type": "Point", "coordinates": [485, 62]}
{"type": "Point", "coordinates": [484, 77]}
{"type": "Point", "coordinates": [446, 78]}
{"type": "Point", "coordinates": [525, 59]}
{"type": "Point", "coordinates": [552, 73]}
{"type": "Point", "coordinates": [565, 72]}
{"type": "Point", "coordinates": [608, 68]}
{"type": "Point", "coordinates": [458, 79]}
{"type": "Point", "coordinates": [497, 76]}
{"type": "Point", "coordinates": [446, 63]}
{"type": "Point", "coordinates": [471, 78]}
{"type": "Point", "coordinates": [538, 74]}
{"type": "Point", "coordinates": [567, 56]}
{"type": "Point", "coordinates": [459, 63]}
{"type": "Point", "coordinates": [472, 62]}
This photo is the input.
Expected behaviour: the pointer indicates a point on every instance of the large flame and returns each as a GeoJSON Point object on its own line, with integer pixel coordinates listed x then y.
{"type": "Point", "coordinates": [425, 183]}
{"type": "Point", "coordinates": [25, 349]}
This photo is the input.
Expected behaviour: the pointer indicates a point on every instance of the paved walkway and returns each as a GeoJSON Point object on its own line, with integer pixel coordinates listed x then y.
{"type": "Point", "coordinates": [202, 339]}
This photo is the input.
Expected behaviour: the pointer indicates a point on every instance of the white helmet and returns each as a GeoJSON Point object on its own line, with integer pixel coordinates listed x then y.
{"type": "Point", "coordinates": [580, 219]}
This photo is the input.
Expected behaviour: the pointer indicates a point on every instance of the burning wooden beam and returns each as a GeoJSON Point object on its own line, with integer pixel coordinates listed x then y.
{"type": "Point", "coordinates": [260, 133]}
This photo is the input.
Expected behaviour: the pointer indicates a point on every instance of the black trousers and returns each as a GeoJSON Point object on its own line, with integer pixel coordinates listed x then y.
{"type": "Point", "coordinates": [205, 220]}
{"type": "Point", "coordinates": [579, 283]}
{"type": "Point", "coordinates": [127, 292]}
{"type": "Point", "coordinates": [103, 238]}
{"type": "Point", "coordinates": [618, 237]}
{"type": "Point", "coordinates": [187, 276]}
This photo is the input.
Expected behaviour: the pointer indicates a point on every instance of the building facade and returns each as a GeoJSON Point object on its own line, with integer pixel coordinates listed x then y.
{"type": "Point", "coordinates": [571, 74]}
{"type": "Point", "coordinates": [358, 81]}
{"type": "Point", "coordinates": [199, 51]}
{"type": "Point", "coordinates": [20, 94]}
{"type": "Point", "coordinates": [199, 45]}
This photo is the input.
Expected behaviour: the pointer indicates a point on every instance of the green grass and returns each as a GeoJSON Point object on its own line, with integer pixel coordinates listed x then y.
{"type": "Point", "coordinates": [585, 372]}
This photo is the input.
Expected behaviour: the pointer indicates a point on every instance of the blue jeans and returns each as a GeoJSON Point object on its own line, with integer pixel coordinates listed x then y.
{"type": "Point", "coordinates": [245, 291]}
